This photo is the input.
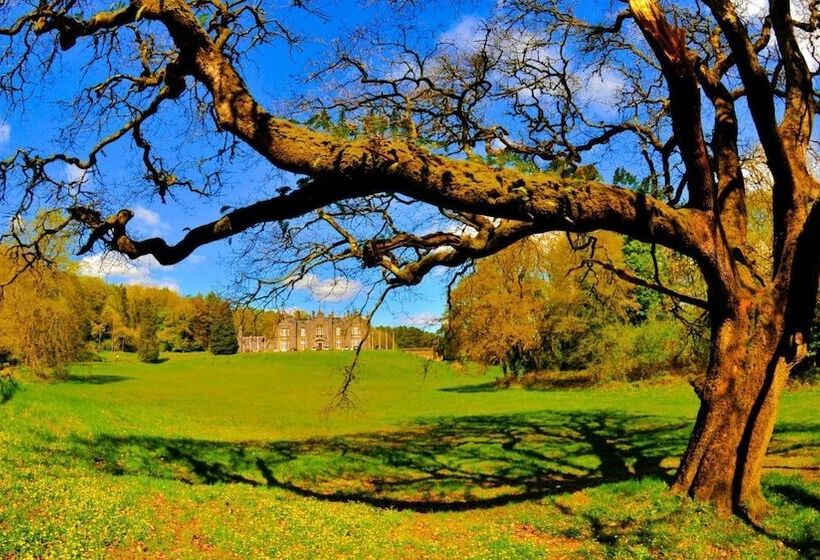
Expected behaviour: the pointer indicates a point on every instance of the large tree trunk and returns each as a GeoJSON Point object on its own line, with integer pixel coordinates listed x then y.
{"type": "Point", "coordinates": [739, 400]}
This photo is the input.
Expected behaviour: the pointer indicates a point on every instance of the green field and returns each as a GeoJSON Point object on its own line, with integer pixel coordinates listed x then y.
{"type": "Point", "coordinates": [238, 457]}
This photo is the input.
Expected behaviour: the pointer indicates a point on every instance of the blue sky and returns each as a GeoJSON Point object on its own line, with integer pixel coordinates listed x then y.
{"type": "Point", "coordinates": [274, 74]}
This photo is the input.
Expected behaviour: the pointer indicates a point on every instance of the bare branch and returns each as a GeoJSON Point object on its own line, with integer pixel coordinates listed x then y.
{"type": "Point", "coordinates": [638, 281]}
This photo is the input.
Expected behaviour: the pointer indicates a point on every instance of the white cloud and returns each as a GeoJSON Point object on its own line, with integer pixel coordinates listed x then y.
{"type": "Point", "coordinates": [470, 34]}
{"type": "Point", "coordinates": [751, 8]}
{"type": "Point", "coordinates": [466, 35]}
{"type": "Point", "coordinates": [438, 224]}
{"type": "Point", "coordinates": [600, 89]}
{"type": "Point", "coordinates": [75, 175]}
{"type": "Point", "coordinates": [17, 224]}
{"type": "Point", "coordinates": [147, 222]}
{"type": "Point", "coordinates": [809, 42]}
{"type": "Point", "coordinates": [117, 268]}
{"type": "Point", "coordinates": [329, 289]}
{"type": "Point", "coordinates": [5, 132]}
{"type": "Point", "coordinates": [597, 87]}
{"type": "Point", "coordinates": [423, 320]}
{"type": "Point", "coordinates": [150, 217]}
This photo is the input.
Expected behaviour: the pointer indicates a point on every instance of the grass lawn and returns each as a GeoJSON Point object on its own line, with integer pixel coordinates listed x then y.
{"type": "Point", "coordinates": [236, 457]}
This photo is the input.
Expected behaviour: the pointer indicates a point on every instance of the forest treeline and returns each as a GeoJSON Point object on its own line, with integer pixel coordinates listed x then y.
{"type": "Point", "coordinates": [611, 306]}
{"type": "Point", "coordinates": [547, 303]}
{"type": "Point", "coordinates": [51, 316]}
{"type": "Point", "coordinates": [554, 303]}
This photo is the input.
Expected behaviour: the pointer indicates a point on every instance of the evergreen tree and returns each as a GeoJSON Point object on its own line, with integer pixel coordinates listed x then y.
{"type": "Point", "coordinates": [223, 333]}
{"type": "Point", "coordinates": [147, 342]}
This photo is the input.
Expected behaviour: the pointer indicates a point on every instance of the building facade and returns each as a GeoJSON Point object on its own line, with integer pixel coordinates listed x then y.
{"type": "Point", "coordinates": [314, 332]}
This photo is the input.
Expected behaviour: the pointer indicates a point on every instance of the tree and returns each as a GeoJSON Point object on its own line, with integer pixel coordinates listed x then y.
{"type": "Point", "coordinates": [414, 337]}
{"type": "Point", "coordinates": [147, 341]}
{"type": "Point", "coordinates": [497, 312]}
{"type": "Point", "coordinates": [516, 103]}
{"type": "Point", "coordinates": [582, 300]}
{"type": "Point", "coordinates": [199, 323]}
{"type": "Point", "coordinates": [810, 368]}
{"type": "Point", "coordinates": [222, 333]}
{"type": "Point", "coordinates": [42, 320]}
{"type": "Point", "coordinates": [43, 314]}
{"type": "Point", "coordinates": [113, 317]}
{"type": "Point", "coordinates": [553, 302]}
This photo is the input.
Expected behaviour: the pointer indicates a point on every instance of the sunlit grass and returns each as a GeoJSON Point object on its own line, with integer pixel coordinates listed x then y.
{"type": "Point", "coordinates": [238, 457]}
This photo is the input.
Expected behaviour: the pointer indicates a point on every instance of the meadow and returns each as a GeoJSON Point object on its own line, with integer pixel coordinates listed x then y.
{"type": "Point", "coordinates": [239, 457]}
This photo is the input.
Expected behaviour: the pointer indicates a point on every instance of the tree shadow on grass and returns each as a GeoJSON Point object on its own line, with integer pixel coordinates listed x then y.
{"type": "Point", "coordinates": [551, 381]}
{"type": "Point", "coordinates": [796, 494]}
{"type": "Point", "coordinates": [95, 379]}
{"type": "Point", "coordinates": [794, 526]}
{"type": "Point", "coordinates": [439, 464]}
{"type": "Point", "coordinates": [443, 464]}
{"type": "Point", "coordinates": [490, 387]}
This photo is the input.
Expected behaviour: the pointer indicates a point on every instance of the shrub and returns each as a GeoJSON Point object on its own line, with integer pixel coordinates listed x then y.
{"type": "Point", "coordinates": [644, 351]}
{"type": "Point", "coordinates": [8, 386]}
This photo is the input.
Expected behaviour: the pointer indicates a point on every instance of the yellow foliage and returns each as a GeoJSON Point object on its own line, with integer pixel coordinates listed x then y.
{"type": "Point", "coordinates": [500, 306]}
{"type": "Point", "coordinates": [536, 298]}
{"type": "Point", "coordinates": [42, 315]}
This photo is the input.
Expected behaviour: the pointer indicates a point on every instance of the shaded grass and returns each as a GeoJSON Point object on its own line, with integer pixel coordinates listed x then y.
{"type": "Point", "coordinates": [8, 387]}
{"type": "Point", "coordinates": [95, 379]}
{"type": "Point", "coordinates": [441, 464]}
{"type": "Point", "coordinates": [231, 457]}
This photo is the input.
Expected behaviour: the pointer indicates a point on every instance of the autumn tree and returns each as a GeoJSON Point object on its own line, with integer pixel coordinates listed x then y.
{"type": "Point", "coordinates": [582, 299]}
{"type": "Point", "coordinates": [40, 325]}
{"type": "Point", "coordinates": [466, 129]}
{"type": "Point", "coordinates": [43, 312]}
{"type": "Point", "coordinates": [198, 330]}
{"type": "Point", "coordinates": [114, 316]}
{"type": "Point", "coordinates": [559, 302]}
{"type": "Point", "coordinates": [497, 312]}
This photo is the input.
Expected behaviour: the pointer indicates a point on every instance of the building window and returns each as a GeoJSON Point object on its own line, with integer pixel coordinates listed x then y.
{"type": "Point", "coordinates": [354, 342]}
{"type": "Point", "coordinates": [284, 331]}
{"type": "Point", "coordinates": [302, 344]}
{"type": "Point", "coordinates": [302, 332]}
{"type": "Point", "coordinates": [283, 345]}
{"type": "Point", "coordinates": [320, 331]}
{"type": "Point", "coordinates": [354, 331]}
{"type": "Point", "coordinates": [338, 343]}
{"type": "Point", "coordinates": [338, 331]}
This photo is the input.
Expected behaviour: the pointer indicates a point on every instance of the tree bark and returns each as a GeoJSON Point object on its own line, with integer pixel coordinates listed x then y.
{"type": "Point", "coordinates": [739, 399]}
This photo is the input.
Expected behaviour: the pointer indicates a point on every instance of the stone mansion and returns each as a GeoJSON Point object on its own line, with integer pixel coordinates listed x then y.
{"type": "Point", "coordinates": [314, 332]}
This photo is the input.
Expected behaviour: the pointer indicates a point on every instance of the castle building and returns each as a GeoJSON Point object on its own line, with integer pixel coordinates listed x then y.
{"type": "Point", "coordinates": [315, 332]}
